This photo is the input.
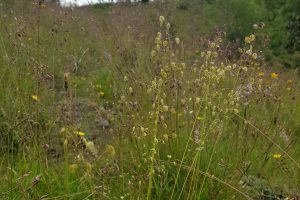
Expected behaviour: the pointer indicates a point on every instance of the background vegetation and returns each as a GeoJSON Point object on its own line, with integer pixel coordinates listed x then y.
{"type": "Point", "coordinates": [280, 18]}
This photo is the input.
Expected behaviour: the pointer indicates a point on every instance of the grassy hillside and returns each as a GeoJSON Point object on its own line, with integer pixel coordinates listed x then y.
{"type": "Point", "coordinates": [138, 101]}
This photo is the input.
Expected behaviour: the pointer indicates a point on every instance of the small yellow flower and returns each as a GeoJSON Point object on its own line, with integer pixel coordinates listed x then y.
{"type": "Point", "coordinates": [200, 118]}
{"type": "Point", "coordinates": [35, 98]}
{"type": "Point", "coordinates": [79, 133]}
{"type": "Point", "coordinates": [260, 74]}
{"type": "Point", "coordinates": [289, 81]}
{"type": "Point", "coordinates": [101, 94]}
{"type": "Point", "coordinates": [276, 156]}
{"type": "Point", "coordinates": [274, 75]}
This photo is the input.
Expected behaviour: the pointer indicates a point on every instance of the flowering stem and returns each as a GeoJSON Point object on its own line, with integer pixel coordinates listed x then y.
{"type": "Point", "coordinates": [151, 171]}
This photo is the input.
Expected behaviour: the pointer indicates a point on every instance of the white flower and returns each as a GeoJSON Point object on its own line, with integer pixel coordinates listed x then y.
{"type": "Point", "coordinates": [130, 90]}
{"type": "Point", "coordinates": [165, 108]}
{"type": "Point", "coordinates": [168, 26]}
{"type": "Point", "coordinates": [161, 20]}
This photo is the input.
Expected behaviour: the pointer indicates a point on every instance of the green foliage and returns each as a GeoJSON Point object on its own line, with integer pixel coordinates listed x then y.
{"type": "Point", "coordinates": [145, 1]}
{"type": "Point", "coordinates": [281, 19]}
{"type": "Point", "coordinates": [238, 16]}
{"type": "Point", "coordinates": [244, 15]}
{"type": "Point", "coordinates": [283, 28]}
{"type": "Point", "coordinates": [183, 4]}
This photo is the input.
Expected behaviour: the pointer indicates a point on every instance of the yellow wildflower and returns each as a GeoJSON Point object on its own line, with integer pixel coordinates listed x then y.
{"type": "Point", "coordinates": [101, 94]}
{"type": "Point", "coordinates": [274, 75]}
{"type": "Point", "coordinates": [200, 118]}
{"type": "Point", "coordinates": [79, 133]}
{"type": "Point", "coordinates": [276, 156]}
{"type": "Point", "coordinates": [260, 74]}
{"type": "Point", "coordinates": [35, 97]}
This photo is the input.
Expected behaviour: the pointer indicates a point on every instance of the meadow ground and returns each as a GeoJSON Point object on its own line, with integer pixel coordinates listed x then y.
{"type": "Point", "coordinates": [140, 102]}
